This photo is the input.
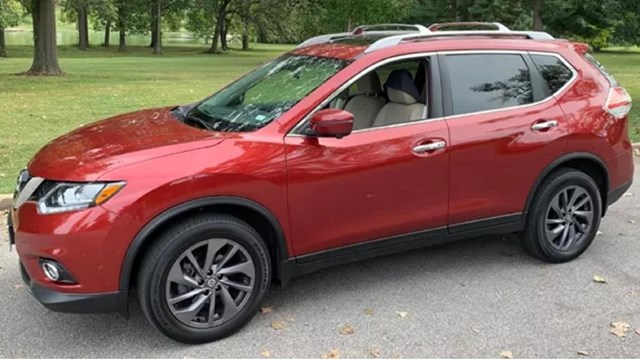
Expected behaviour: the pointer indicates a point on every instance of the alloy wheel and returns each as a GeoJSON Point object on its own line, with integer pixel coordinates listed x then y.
{"type": "Point", "coordinates": [210, 283]}
{"type": "Point", "coordinates": [569, 218]}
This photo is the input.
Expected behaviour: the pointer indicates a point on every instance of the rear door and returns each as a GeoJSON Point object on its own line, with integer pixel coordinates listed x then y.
{"type": "Point", "coordinates": [505, 128]}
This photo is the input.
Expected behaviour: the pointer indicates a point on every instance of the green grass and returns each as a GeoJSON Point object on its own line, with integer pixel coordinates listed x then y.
{"type": "Point", "coordinates": [101, 82]}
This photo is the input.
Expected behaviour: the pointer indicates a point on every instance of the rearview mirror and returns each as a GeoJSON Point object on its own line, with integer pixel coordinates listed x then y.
{"type": "Point", "coordinates": [332, 123]}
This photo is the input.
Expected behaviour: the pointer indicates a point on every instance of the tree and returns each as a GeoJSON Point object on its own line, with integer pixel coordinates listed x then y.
{"type": "Point", "coordinates": [9, 16]}
{"type": "Point", "coordinates": [78, 10]}
{"type": "Point", "coordinates": [45, 54]}
{"type": "Point", "coordinates": [537, 15]}
{"type": "Point", "coordinates": [581, 20]}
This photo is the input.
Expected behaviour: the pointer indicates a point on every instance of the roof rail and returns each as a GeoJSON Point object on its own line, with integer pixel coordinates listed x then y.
{"type": "Point", "coordinates": [440, 26]}
{"type": "Point", "coordinates": [389, 27]}
{"type": "Point", "coordinates": [394, 34]}
{"type": "Point", "coordinates": [395, 40]}
{"type": "Point", "coordinates": [386, 29]}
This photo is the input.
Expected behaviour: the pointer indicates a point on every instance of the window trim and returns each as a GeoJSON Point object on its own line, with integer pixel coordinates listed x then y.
{"type": "Point", "coordinates": [300, 125]}
{"type": "Point", "coordinates": [448, 98]}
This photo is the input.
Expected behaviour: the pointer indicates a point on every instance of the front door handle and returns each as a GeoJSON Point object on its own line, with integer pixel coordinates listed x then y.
{"type": "Point", "coordinates": [544, 125]}
{"type": "Point", "coordinates": [436, 145]}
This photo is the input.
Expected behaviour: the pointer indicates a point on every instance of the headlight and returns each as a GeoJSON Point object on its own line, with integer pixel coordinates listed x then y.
{"type": "Point", "coordinates": [65, 197]}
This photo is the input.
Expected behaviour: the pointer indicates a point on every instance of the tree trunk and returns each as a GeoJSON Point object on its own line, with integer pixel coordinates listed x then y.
{"type": "Point", "coordinates": [122, 41]}
{"type": "Point", "coordinates": [154, 31]}
{"type": "Point", "coordinates": [157, 48]}
{"type": "Point", "coordinates": [83, 27]}
{"type": "Point", "coordinates": [154, 25]}
{"type": "Point", "coordinates": [453, 10]}
{"type": "Point", "coordinates": [45, 54]}
{"type": "Point", "coordinates": [3, 52]}
{"type": "Point", "coordinates": [223, 35]}
{"type": "Point", "coordinates": [245, 30]}
{"type": "Point", "coordinates": [216, 35]}
{"type": "Point", "coordinates": [537, 15]}
{"type": "Point", "coordinates": [107, 34]}
{"type": "Point", "coordinates": [245, 40]}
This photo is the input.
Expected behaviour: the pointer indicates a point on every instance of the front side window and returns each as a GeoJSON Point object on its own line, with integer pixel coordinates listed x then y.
{"type": "Point", "coordinates": [264, 94]}
{"type": "Point", "coordinates": [481, 82]}
{"type": "Point", "coordinates": [555, 73]}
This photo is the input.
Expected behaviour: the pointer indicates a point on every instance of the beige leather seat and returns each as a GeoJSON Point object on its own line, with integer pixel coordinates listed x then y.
{"type": "Point", "coordinates": [366, 105]}
{"type": "Point", "coordinates": [404, 101]}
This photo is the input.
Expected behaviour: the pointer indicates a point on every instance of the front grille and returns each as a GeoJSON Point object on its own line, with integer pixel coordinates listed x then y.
{"type": "Point", "coordinates": [42, 190]}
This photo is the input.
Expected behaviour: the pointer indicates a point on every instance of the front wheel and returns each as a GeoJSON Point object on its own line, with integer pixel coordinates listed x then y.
{"type": "Point", "coordinates": [204, 278]}
{"type": "Point", "coordinates": [564, 216]}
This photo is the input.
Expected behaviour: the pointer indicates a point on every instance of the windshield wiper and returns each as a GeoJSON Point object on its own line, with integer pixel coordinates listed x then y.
{"type": "Point", "coordinates": [205, 124]}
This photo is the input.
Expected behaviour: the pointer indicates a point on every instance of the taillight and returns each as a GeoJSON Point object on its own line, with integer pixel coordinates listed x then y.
{"type": "Point", "coordinates": [618, 102]}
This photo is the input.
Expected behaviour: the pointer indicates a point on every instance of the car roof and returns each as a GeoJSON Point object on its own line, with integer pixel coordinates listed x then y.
{"type": "Point", "coordinates": [405, 39]}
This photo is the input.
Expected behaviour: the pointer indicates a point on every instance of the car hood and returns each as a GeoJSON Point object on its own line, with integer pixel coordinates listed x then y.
{"type": "Point", "coordinates": [89, 151]}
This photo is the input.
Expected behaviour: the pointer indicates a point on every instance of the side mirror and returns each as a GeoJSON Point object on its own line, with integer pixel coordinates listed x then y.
{"type": "Point", "coordinates": [332, 123]}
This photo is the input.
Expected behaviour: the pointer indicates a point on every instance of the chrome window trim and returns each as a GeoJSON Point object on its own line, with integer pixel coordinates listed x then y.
{"type": "Point", "coordinates": [294, 131]}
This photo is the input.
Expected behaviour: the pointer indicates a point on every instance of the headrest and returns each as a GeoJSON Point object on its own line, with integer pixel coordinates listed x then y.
{"type": "Point", "coordinates": [401, 88]}
{"type": "Point", "coordinates": [369, 84]}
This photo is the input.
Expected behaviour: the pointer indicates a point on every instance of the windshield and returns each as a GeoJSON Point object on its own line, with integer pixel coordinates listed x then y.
{"type": "Point", "coordinates": [264, 94]}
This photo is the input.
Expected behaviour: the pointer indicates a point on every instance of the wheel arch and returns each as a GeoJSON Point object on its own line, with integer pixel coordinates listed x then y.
{"type": "Point", "coordinates": [250, 211]}
{"type": "Point", "coordinates": [589, 163]}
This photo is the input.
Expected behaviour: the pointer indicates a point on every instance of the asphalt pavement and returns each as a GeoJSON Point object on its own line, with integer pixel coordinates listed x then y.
{"type": "Point", "coordinates": [476, 298]}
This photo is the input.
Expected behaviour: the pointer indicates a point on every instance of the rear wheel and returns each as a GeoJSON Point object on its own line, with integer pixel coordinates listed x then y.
{"type": "Point", "coordinates": [564, 216]}
{"type": "Point", "coordinates": [204, 278]}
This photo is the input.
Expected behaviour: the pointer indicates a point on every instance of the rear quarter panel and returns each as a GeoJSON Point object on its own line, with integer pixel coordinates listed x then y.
{"type": "Point", "coordinates": [592, 129]}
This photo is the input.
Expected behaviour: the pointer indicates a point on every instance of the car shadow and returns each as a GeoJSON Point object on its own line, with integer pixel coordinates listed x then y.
{"type": "Point", "coordinates": [105, 333]}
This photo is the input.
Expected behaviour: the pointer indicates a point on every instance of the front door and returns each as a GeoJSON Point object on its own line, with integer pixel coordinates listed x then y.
{"type": "Point", "coordinates": [369, 185]}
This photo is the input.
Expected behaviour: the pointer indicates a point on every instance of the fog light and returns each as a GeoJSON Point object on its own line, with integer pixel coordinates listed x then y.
{"type": "Point", "coordinates": [51, 270]}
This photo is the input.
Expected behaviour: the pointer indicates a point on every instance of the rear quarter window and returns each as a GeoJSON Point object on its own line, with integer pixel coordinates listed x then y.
{"type": "Point", "coordinates": [555, 73]}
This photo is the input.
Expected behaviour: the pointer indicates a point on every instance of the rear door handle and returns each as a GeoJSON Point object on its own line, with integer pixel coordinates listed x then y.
{"type": "Point", "coordinates": [436, 145]}
{"type": "Point", "coordinates": [544, 125]}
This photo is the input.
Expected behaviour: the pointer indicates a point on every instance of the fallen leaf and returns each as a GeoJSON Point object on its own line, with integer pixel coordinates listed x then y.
{"type": "Point", "coordinates": [599, 279]}
{"type": "Point", "coordinates": [583, 353]}
{"type": "Point", "coordinates": [265, 353]}
{"type": "Point", "coordinates": [347, 330]}
{"type": "Point", "coordinates": [619, 328]}
{"type": "Point", "coordinates": [506, 354]}
{"type": "Point", "coordinates": [402, 314]}
{"type": "Point", "coordinates": [18, 286]}
{"type": "Point", "coordinates": [375, 352]}
{"type": "Point", "coordinates": [368, 312]}
{"type": "Point", "coordinates": [265, 310]}
{"type": "Point", "coordinates": [333, 354]}
{"type": "Point", "coordinates": [278, 325]}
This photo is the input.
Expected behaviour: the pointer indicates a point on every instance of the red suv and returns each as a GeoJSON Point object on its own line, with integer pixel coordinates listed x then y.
{"type": "Point", "coordinates": [353, 145]}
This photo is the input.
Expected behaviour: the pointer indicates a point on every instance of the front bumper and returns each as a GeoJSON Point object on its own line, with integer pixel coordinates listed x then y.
{"type": "Point", "coordinates": [76, 303]}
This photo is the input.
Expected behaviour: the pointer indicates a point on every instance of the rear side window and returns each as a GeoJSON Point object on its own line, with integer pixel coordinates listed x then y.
{"type": "Point", "coordinates": [602, 70]}
{"type": "Point", "coordinates": [555, 73]}
{"type": "Point", "coordinates": [482, 82]}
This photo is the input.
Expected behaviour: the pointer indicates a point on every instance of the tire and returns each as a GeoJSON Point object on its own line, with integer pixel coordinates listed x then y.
{"type": "Point", "coordinates": [551, 213]}
{"type": "Point", "coordinates": [238, 280]}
